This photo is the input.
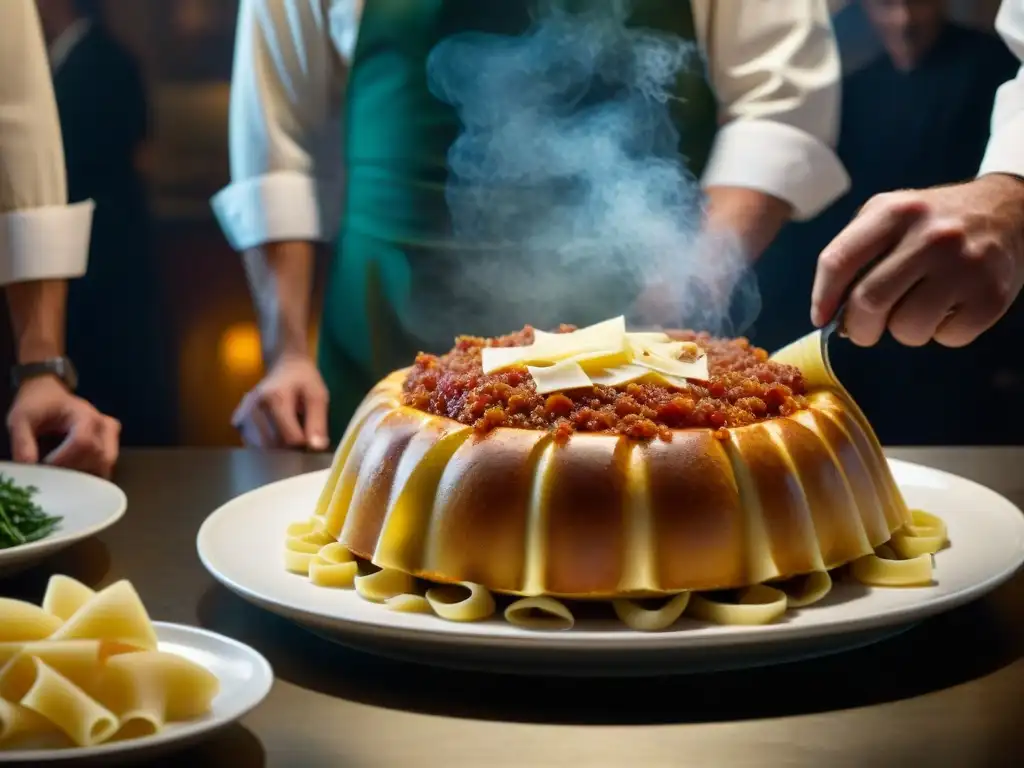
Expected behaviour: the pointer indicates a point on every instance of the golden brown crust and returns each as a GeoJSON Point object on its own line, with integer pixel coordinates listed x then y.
{"type": "Point", "coordinates": [605, 515]}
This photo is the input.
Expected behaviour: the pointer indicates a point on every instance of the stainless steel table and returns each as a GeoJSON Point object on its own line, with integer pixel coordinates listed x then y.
{"type": "Point", "coordinates": [947, 693]}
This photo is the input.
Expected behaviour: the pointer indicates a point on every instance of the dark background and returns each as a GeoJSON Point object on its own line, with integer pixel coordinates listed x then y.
{"type": "Point", "coordinates": [185, 50]}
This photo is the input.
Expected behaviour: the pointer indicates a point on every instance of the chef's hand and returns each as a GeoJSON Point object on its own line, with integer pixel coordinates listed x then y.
{"type": "Point", "coordinates": [288, 408]}
{"type": "Point", "coordinates": [953, 262]}
{"type": "Point", "coordinates": [44, 407]}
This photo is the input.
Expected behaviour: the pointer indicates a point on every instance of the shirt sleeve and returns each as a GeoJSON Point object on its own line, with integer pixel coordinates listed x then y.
{"type": "Point", "coordinates": [1005, 150]}
{"type": "Point", "coordinates": [285, 121]}
{"type": "Point", "coordinates": [41, 237]}
{"type": "Point", "coordinates": [774, 66]}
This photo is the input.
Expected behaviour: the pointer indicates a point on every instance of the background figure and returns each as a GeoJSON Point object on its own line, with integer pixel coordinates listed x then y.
{"type": "Point", "coordinates": [114, 313]}
{"type": "Point", "coordinates": [916, 115]}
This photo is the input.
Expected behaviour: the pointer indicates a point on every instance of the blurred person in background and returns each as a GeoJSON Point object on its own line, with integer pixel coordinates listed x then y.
{"type": "Point", "coordinates": [918, 115]}
{"type": "Point", "coordinates": [44, 241]}
{"type": "Point", "coordinates": [771, 79]}
{"type": "Point", "coordinates": [115, 333]}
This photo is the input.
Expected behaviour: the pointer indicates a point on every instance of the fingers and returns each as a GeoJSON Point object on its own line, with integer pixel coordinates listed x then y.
{"type": "Point", "coordinates": [967, 323]}
{"type": "Point", "coordinates": [269, 418]}
{"type": "Point", "coordinates": [288, 408]}
{"type": "Point", "coordinates": [876, 296]}
{"type": "Point", "coordinates": [24, 448]}
{"type": "Point", "coordinates": [91, 445]}
{"type": "Point", "coordinates": [921, 313]}
{"type": "Point", "coordinates": [110, 446]}
{"type": "Point", "coordinates": [879, 226]}
{"type": "Point", "coordinates": [281, 406]}
{"type": "Point", "coordinates": [314, 400]}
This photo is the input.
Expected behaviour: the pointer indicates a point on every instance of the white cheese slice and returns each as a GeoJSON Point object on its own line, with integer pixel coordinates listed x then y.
{"type": "Point", "coordinates": [559, 377]}
{"type": "Point", "coordinates": [497, 358]}
{"type": "Point", "coordinates": [627, 374]}
{"type": "Point", "coordinates": [682, 369]}
{"type": "Point", "coordinates": [603, 341]}
{"type": "Point", "coordinates": [619, 375]}
{"type": "Point", "coordinates": [607, 331]}
{"type": "Point", "coordinates": [670, 349]}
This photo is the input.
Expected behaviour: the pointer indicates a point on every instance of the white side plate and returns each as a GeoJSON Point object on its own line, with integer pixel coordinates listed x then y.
{"type": "Point", "coordinates": [88, 505]}
{"type": "Point", "coordinates": [245, 680]}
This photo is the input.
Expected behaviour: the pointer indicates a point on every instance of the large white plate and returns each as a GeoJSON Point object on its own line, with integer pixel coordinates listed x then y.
{"type": "Point", "coordinates": [245, 680]}
{"type": "Point", "coordinates": [88, 505]}
{"type": "Point", "coordinates": [242, 544]}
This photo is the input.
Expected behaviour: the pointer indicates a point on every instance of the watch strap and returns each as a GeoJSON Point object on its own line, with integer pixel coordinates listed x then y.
{"type": "Point", "coordinates": [61, 367]}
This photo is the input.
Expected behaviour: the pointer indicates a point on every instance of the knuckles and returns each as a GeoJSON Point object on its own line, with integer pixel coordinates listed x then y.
{"type": "Point", "coordinates": [945, 232]}
{"type": "Point", "coordinates": [869, 298]}
{"type": "Point", "coordinates": [273, 396]}
{"type": "Point", "coordinates": [902, 204]}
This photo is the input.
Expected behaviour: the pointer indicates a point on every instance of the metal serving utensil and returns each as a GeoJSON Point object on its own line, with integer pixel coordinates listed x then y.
{"type": "Point", "coordinates": [810, 353]}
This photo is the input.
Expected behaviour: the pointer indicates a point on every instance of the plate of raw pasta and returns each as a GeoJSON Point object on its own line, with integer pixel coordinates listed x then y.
{"type": "Point", "coordinates": [87, 674]}
{"type": "Point", "coordinates": [968, 541]}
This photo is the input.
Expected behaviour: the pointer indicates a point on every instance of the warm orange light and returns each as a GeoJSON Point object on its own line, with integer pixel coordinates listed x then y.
{"type": "Point", "coordinates": [240, 349]}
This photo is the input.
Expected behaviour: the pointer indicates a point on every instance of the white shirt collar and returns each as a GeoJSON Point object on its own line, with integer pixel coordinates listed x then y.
{"type": "Point", "coordinates": [66, 42]}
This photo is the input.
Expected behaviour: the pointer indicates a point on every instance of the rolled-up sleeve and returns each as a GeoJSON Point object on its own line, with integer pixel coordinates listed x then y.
{"type": "Point", "coordinates": [41, 236]}
{"type": "Point", "coordinates": [284, 123]}
{"type": "Point", "coordinates": [1005, 151]}
{"type": "Point", "coordinates": [774, 66]}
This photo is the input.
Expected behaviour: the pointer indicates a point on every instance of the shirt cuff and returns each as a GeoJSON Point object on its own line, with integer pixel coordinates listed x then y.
{"type": "Point", "coordinates": [45, 243]}
{"type": "Point", "coordinates": [275, 207]}
{"type": "Point", "coordinates": [779, 160]}
{"type": "Point", "coordinates": [1005, 150]}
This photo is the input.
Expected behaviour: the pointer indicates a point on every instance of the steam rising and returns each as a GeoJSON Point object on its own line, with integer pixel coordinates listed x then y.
{"type": "Point", "coordinates": [567, 194]}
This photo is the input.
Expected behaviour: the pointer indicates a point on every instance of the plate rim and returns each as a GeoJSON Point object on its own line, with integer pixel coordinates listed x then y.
{"type": "Point", "coordinates": [632, 642]}
{"type": "Point", "coordinates": [188, 732]}
{"type": "Point", "coordinates": [58, 540]}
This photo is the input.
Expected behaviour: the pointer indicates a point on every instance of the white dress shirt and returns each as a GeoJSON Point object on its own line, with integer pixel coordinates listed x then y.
{"type": "Point", "coordinates": [1005, 152]}
{"type": "Point", "coordinates": [41, 236]}
{"type": "Point", "coordinates": [774, 67]}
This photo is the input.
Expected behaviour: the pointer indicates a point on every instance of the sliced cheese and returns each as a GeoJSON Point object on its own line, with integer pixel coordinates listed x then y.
{"type": "Point", "coordinates": [498, 358]}
{"type": "Point", "coordinates": [673, 350]}
{"type": "Point", "coordinates": [628, 374]}
{"type": "Point", "coordinates": [602, 357]}
{"type": "Point", "coordinates": [593, 342]}
{"type": "Point", "coordinates": [559, 377]}
{"type": "Point", "coordinates": [682, 369]}
{"type": "Point", "coordinates": [601, 354]}
{"type": "Point", "coordinates": [619, 375]}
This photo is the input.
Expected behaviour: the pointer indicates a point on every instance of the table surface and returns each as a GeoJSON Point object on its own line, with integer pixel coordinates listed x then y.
{"type": "Point", "coordinates": [947, 693]}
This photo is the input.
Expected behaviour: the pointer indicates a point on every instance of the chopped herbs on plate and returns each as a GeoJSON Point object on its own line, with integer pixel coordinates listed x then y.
{"type": "Point", "coordinates": [22, 520]}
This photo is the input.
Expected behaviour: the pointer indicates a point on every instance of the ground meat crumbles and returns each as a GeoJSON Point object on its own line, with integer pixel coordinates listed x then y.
{"type": "Point", "coordinates": [745, 387]}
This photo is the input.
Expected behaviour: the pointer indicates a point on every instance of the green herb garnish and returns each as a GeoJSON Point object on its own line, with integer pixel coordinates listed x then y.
{"type": "Point", "coordinates": [22, 520]}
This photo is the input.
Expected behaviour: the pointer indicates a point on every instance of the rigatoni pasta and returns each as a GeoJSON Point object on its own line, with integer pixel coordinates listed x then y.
{"type": "Point", "coordinates": [86, 665]}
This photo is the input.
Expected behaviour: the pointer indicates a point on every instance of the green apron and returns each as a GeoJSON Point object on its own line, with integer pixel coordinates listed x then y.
{"type": "Point", "coordinates": [396, 221]}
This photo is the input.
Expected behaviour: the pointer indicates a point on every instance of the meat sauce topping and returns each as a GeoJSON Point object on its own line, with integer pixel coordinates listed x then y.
{"type": "Point", "coordinates": [744, 387]}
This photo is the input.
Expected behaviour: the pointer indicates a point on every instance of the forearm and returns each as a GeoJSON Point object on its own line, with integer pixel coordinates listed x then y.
{"type": "Point", "coordinates": [753, 217]}
{"type": "Point", "coordinates": [37, 310]}
{"type": "Point", "coordinates": [280, 278]}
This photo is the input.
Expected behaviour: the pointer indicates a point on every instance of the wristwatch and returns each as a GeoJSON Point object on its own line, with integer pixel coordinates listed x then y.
{"type": "Point", "coordinates": [61, 367]}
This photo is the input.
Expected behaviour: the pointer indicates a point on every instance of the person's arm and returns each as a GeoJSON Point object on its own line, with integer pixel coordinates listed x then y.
{"type": "Point", "coordinates": [285, 140]}
{"type": "Point", "coordinates": [943, 263]}
{"type": "Point", "coordinates": [1005, 151]}
{"type": "Point", "coordinates": [43, 241]}
{"type": "Point", "coordinates": [285, 195]}
{"type": "Point", "coordinates": [774, 67]}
